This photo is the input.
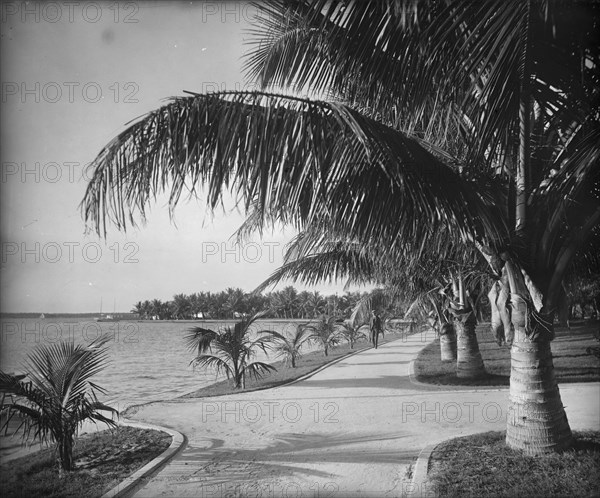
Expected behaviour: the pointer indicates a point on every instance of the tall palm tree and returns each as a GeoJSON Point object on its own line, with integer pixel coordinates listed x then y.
{"type": "Point", "coordinates": [434, 108]}
{"type": "Point", "coordinates": [57, 396]}
{"type": "Point", "coordinates": [232, 350]}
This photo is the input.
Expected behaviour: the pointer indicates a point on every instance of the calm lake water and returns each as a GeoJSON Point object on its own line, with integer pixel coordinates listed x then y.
{"type": "Point", "coordinates": [148, 359]}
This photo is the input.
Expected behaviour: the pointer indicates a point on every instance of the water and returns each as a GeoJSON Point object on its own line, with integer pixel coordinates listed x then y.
{"type": "Point", "coordinates": [148, 359]}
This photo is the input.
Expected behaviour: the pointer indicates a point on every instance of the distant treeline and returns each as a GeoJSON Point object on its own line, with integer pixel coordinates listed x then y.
{"type": "Point", "coordinates": [48, 315]}
{"type": "Point", "coordinates": [233, 303]}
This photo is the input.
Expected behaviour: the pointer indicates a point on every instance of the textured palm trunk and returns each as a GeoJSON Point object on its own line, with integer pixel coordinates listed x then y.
{"type": "Point", "coordinates": [536, 422]}
{"type": "Point", "coordinates": [448, 342]}
{"type": "Point", "coordinates": [65, 455]}
{"type": "Point", "coordinates": [469, 364]}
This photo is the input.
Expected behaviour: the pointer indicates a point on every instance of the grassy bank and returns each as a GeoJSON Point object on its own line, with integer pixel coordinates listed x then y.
{"type": "Point", "coordinates": [308, 363]}
{"type": "Point", "coordinates": [571, 361]}
{"type": "Point", "coordinates": [102, 460]}
{"type": "Point", "coordinates": [482, 465]}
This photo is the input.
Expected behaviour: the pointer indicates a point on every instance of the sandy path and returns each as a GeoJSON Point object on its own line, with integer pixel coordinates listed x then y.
{"type": "Point", "coordinates": [352, 429]}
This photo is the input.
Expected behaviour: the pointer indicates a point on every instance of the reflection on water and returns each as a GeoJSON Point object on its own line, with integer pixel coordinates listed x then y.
{"type": "Point", "coordinates": [148, 359]}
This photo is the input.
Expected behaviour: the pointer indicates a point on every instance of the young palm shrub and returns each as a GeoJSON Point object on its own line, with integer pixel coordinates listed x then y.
{"type": "Point", "coordinates": [325, 332]}
{"type": "Point", "coordinates": [232, 351]}
{"type": "Point", "coordinates": [289, 347]}
{"type": "Point", "coordinates": [56, 395]}
{"type": "Point", "coordinates": [351, 333]}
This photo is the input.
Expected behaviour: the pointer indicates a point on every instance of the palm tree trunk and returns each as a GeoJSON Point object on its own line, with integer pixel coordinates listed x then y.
{"type": "Point", "coordinates": [65, 455]}
{"type": "Point", "coordinates": [469, 363]}
{"type": "Point", "coordinates": [448, 342]}
{"type": "Point", "coordinates": [536, 422]}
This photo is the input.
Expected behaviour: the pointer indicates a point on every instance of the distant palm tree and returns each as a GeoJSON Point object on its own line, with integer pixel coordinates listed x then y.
{"type": "Point", "coordinates": [325, 332]}
{"type": "Point", "coordinates": [56, 395]}
{"type": "Point", "coordinates": [139, 309]}
{"type": "Point", "coordinates": [315, 304]}
{"type": "Point", "coordinates": [289, 347]}
{"type": "Point", "coordinates": [232, 351]}
{"type": "Point", "coordinates": [182, 306]}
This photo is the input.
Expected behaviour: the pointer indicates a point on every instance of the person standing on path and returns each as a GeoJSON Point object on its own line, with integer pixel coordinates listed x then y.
{"type": "Point", "coordinates": [375, 328]}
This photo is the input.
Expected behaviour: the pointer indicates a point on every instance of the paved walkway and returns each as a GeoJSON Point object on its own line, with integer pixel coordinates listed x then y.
{"type": "Point", "coordinates": [353, 429]}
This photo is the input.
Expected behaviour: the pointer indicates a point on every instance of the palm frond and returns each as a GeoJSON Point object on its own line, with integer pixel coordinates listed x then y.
{"type": "Point", "coordinates": [321, 159]}
{"type": "Point", "coordinates": [258, 369]}
{"type": "Point", "coordinates": [199, 339]}
{"type": "Point", "coordinates": [217, 363]}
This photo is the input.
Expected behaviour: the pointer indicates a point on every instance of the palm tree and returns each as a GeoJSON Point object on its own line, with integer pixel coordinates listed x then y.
{"type": "Point", "coordinates": [139, 309]}
{"type": "Point", "coordinates": [57, 396]}
{"type": "Point", "coordinates": [352, 333]}
{"type": "Point", "coordinates": [182, 306]}
{"type": "Point", "coordinates": [289, 346]}
{"type": "Point", "coordinates": [234, 301]}
{"type": "Point", "coordinates": [232, 350]}
{"type": "Point", "coordinates": [326, 332]}
{"type": "Point", "coordinates": [448, 117]}
{"type": "Point", "coordinates": [289, 300]}
{"type": "Point", "coordinates": [315, 304]}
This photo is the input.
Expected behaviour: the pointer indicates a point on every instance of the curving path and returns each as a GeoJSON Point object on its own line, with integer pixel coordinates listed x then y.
{"type": "Point", "coordinates": [355, 428]}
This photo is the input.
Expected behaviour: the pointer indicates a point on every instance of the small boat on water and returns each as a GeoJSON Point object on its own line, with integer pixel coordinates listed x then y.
{"type": "Point", "coordinates": [105, 317]}
{"type": "Point", "coordinates": [42, 316]}
{"type": "Point", "coordinates": [108, 318]}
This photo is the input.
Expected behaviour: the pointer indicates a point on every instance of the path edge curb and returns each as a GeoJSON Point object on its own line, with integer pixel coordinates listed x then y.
{"type": "Point", "coordinates": [419, 477]}
{"type": "Point", "coordinates": [131, 482]}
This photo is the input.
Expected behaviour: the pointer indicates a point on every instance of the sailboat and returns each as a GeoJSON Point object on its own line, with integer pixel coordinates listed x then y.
{"type": "Point", "coordinates": [107, 318]}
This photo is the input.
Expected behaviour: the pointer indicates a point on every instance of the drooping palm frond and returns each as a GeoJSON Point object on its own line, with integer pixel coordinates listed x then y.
{"type": "Point", "coordinates": [258, 369]}
{"type": "Point", "coordinates": [569, 203]}
{"type": "Point", "coordinates": [320, 160]}
{"type": "Point", "coordinates": [316, 255]}
{"type": "Point", "coordinates": [218, 364]}
{"type": "Point", "coordinates": [199, 339]}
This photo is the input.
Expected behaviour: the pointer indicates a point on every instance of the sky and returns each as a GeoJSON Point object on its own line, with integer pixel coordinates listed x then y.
{"type": "Point", "coordinates": [73, 74]}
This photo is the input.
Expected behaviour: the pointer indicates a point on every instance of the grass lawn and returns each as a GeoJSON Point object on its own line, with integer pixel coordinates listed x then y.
{"type": "Point", "coordinates": [571, 361]}
{"type": "Point", "coordinates": [102, 459]}
{"type": "Point", "coordinates": [482, 465]}
{"type": "Point", "coordinates": [309, 362]}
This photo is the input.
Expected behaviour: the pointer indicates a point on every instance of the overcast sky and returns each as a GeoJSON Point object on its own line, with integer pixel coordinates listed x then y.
{"type": "Point", "coordinates": [73, 74]}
